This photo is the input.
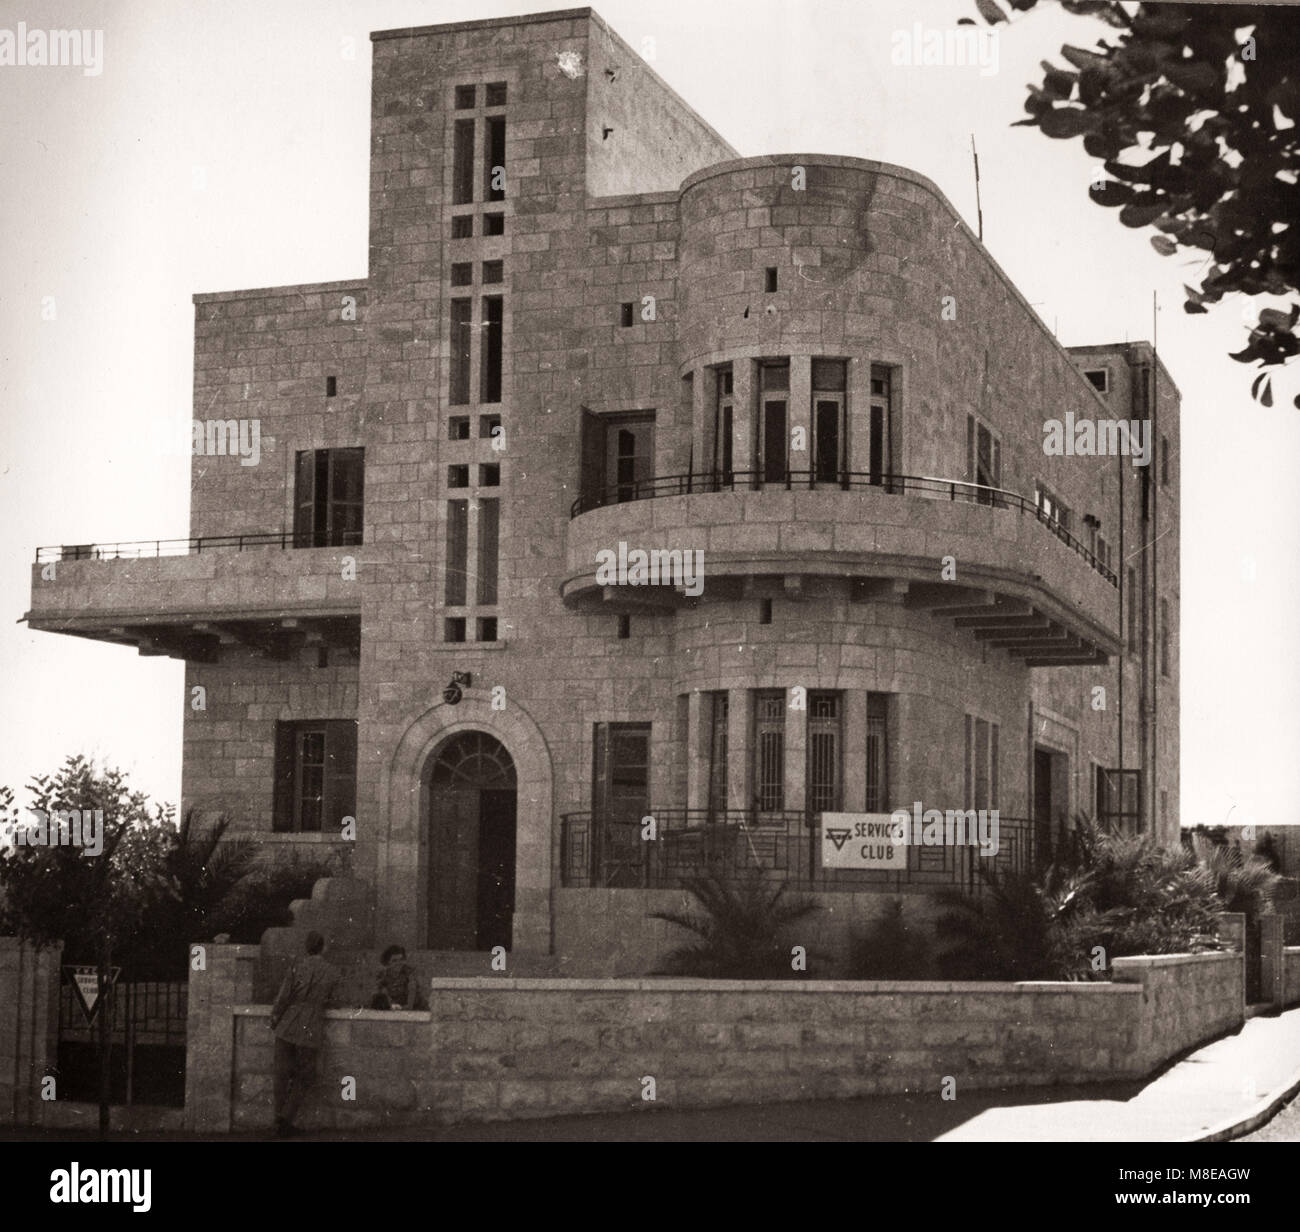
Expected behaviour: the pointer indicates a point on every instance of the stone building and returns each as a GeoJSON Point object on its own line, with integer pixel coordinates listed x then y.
{"type": "Point", "coordinates": [588, 323]}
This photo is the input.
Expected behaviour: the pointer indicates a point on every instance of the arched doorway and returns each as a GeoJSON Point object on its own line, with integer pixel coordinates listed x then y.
{"type": "Point", "coordinates": [469, 784]}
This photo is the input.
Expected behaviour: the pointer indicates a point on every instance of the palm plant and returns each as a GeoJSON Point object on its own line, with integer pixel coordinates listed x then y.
{"type": "Point", "coordinates": [1245, 883]}
{"type": "Point", "coordinates": [741, 931]}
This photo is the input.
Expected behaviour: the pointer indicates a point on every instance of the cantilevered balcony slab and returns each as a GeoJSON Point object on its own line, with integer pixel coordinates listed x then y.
{"type": "Point", "coordinates": [271, 600]}
{"type": "Point", "coordinates": [1050, 602]}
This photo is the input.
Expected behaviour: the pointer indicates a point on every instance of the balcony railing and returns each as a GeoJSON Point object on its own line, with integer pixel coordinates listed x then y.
{"type": "Point", "coordinates": [147, 548]}
{"type": "Point", "coordinates": [847, 481]}
{"type": "Point", "coordinates": [600, 852]}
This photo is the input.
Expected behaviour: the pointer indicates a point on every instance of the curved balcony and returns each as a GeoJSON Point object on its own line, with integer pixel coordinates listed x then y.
{"type": "Point", "coordinates": [1022, 583]}
{"type": "Point", "coordinates": [190, 598]}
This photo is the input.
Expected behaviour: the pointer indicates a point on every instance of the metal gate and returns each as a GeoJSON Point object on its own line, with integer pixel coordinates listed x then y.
{"type": "Point", "coordinates": [147, 1044]}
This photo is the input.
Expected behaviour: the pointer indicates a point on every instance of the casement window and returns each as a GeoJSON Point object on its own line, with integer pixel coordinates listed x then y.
{"type": "Point", "coordinates": [620, 798]}
{"type": "Point", "coordinates": [491, 352]}
{"type": "Point", "coordinates": [494, 158]}
{"type": "Point", "coordinates": [825, 742]}
{"type": "Point", "coordinates": [462, 331]}
{"type": "Point", "coordinates": [723, 423]}
{"type": "Point", "coordinates": [983, 458]}
{"type": "Point", "coordinates": [457, 556]}
{"type": "Point", "coordinates": [773, 421]}
{"type": "Point", "coordinates": [489, 538]}
{"type": "Point", "coordinates": [718, 713]}
{"type": "Point", "coordinates": [881, 422]}
{"type": "Point", "coordinates": [769, 747]}
{"type": "Point", "coordinates": [328, 498]}
{"type": "Point", "coordinates": [877, 753]}
{"type": "Point", "coordinates": [315, 775]}
{"type": "Point", "coordinates": [1118, 800]}
{"type": "Point", "coordinates": [1051, 509]}
{"type": "Point", "coordinates": [462, 162]}
{"type": "Point", "coordinates": [981, 763]}
{"type": "Point", "coordinates": [830, 420]}
{"type": "Point", "coordinates": [617, 456]}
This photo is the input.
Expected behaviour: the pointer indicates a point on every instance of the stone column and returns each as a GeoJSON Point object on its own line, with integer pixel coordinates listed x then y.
{"type": "Point", "coordinates": [796, 753]}
{"type": "Point", "coordinates": [854, 752]}
{"type": "Point", "coordinates": [801, 411]}
{"type": "Point", "coordinates": [744, 395]}
{"type": "Point", "coordinates": [740, 752]}
{"type": "Point", "coordinates": [226, 981]}
{"type": "Point", "coordinates": [703, 402]}
{"type": "Point", "coordinates": [859, 415]}
{"type": "Point", "coordinates": [697, 749]}
{"type": "Point", "coordinates": [29, 1026]}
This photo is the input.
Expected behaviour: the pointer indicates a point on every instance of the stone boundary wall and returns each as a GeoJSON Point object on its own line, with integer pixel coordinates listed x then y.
{"type": "Point", "coordinates": [1291, 966]}
{"type": "Point", "coordinates": [29, 1027]}
{"type": "Point", "coordinates": [506, 1048]}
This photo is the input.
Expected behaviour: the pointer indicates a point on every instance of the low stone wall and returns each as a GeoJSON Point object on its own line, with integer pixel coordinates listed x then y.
{"type": "Point", "coordinates": [1291, 965]}
{"type": "Point", "coordinates": [29, 1028]}
{"type": "Point", "coordinates": [507, 1048]}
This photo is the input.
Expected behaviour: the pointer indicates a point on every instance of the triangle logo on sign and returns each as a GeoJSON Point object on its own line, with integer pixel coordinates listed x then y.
{"type": "Point", "coordinates": [838, 837]}
{"type": "Point", "coordinates": [85, 983]}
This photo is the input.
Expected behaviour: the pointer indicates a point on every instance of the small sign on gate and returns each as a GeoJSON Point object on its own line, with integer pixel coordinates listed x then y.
{"type": "Point", "coordinates": [85, 983]}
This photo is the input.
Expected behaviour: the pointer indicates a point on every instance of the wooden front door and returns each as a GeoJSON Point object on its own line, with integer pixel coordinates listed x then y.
{"type": "Point", "coordinates": [471, 827]}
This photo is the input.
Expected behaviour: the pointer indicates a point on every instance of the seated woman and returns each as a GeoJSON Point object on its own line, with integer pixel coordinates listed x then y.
{"type": "Point", "coordinates": [398, 989]}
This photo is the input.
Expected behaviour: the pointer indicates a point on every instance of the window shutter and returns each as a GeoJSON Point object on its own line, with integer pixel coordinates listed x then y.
{"type": "Point", "coordinates": [304, 498]}
{"type": "Point", "coordinates": [282, 811]}
{"type": "Point", "coordinates": [340, 773]}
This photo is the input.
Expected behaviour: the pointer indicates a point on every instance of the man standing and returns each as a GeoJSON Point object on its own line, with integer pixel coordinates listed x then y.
{"type": "Point", "coordinates": [298, 1020]}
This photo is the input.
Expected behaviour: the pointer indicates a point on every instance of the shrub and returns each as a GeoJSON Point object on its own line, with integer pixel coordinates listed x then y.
{"type": "Point", "coordinates": [740, 935]}
{"type": "Point", "coordinates": [890, 949]}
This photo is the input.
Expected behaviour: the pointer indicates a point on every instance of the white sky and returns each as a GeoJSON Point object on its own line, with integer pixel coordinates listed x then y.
{"type": "Point", "coordinates": [101, 206]}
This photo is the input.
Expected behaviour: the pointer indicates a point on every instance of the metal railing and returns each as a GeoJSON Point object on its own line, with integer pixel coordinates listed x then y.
{"type": "Point", "coordinates": [148, 548]}
{"type": "Point", "coordinates": [600, 852]}
{"type": "Point", "coordinates": [846, 481]}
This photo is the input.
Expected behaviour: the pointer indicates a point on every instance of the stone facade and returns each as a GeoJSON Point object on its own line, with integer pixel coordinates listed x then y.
{"type": "Point", "coordinates": [620, 263]}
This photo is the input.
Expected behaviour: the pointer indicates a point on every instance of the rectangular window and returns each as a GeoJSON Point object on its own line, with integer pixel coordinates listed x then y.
{"type": "Point", "coordinates": [830, 422]}
{"type": "Point", "coordinates": [495, 94]}
{"type": "Point", "coordinates": [494, 224]}
{"type": "Point", "coordinates": [458, 476]}
{"type": "Point", "coordinates": [462, 163]}
{"type": "Point", "coordinates": [494, 159]}
{"type": "Point", "coordinates": [453, 629]}
{"type": "Point", "coordinates": [723, 422]}
{"type": "Point", "coordinates": [462, 330]}
{"type": "Point", "coordinates": [624, 627]}
{"type": "Point", "coordinates": [983, 459]}
{"type": "Point", "coordinates": [1119, 800]}
{"type": "Point", "coordinates": [457, 553]}
{"type": "Point", "coordinates": [489, 474]}
{"type": "Point", "coordinates": [458, 428]}
{"type": "Point", "coordinates": [617, 457]}
{"type": "Point", "coordinates": [718, 719]}
{"type": "Point", "coordinates": [1099, 379]}
{"type": "Point", "coordinates": [769, 279]}
{"type": "Point", "coordinates": [331, 386]}
{"type": "Point", "coordinates": [489, 534]}
{"type": "Point", "coordinates": [769, 745]}
{"type": "Point", "coordinates": [462, 274]}
{"type": "Point", "coordinates": [824, 746]}
{"type": "Point", "coordinates": [490, 379]}
{"type": "Point", "coordinates": [328, 497]}
{"type": "Point", "coordinates": [626, 314]}
{"type": "Point", "coordinates": [981, 763]}
{"type": "Point", "coordinates": [765, 611]}
{"type": "Point", "coordinates": [462, 226]}
{"type": "Point", "coordinates": [493, 271]}
{"type": "Point", "coordinates": [465, 96]}
{"type": "Point", "coordinates": [315, 775]}
{"type": "Point", "coordinates": [877, 753]}
{"type": "Point", "coordinates": [774, 441]}
{"type": "Point", "coordinates": [487, 629]}
{"type": "Point", "coordinates": [882, 418]}
{"type": "Point", "coordinates": [487, 426]}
